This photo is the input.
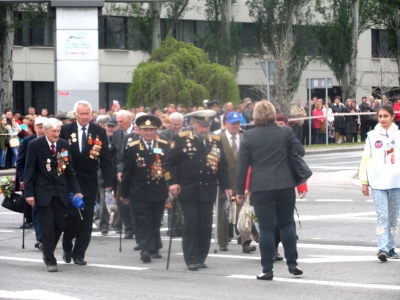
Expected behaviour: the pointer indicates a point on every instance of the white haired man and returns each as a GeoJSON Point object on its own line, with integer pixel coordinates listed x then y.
{"type": "Point", "coordinates": [89, 144]}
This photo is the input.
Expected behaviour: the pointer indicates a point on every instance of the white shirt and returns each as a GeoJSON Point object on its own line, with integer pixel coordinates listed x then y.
{"type": "Point", "coordinates": [229, 136]}
{"type": "Point", "coordinates": [146, 143]}
{"type": "Point", "coordinates": [80, 131]}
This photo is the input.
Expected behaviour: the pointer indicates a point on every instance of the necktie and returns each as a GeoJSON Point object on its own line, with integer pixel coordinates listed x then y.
{"type": "Point", "coordinates": [234, 146]}
{"type": "Point", "coordinates": [83, 139]}
{"type": "Point", "coordinates": [149, 146]}
{"type": "Point", "coordinates": [53, 150]}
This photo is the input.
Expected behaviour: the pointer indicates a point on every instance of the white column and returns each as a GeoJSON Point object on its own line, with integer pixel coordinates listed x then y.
{"type": "Point", "coordinates": [76, 57]}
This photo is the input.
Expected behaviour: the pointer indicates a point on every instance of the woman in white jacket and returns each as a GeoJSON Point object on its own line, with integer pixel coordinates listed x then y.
{"type": "Point", "coordinates": [380, 170]}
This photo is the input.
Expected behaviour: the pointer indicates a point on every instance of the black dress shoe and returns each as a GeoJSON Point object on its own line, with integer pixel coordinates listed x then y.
{"type": "Point", "coordinates": [193, 267]}
{"type": "Point", "coordinates": [80, 261]}
{"type": "Point", "coordinates": [137, 248]}
{"type": "Point", "coordinates": [128, 236]}
{"type": "Point", "coordinates": [66, 256]}
{"type": "Point", "coordinates": [52, 268]}
{"type": "Point", "coordinates": [278, 257]}
{"type": "Point", "coordinates": [37, 245]}
{"type": "Point", "coordinates": [295, 270]}
{"type": "Point", "coordinates": [26, 225]}
{"type": "Point", "coordinates": [156, 255]}
{"type": "Point", "coordinates": [145, 257]}
{"type": "Point", "coordinates": [266, 276]}
{"type": "Point", "coordinates": [202, 266]}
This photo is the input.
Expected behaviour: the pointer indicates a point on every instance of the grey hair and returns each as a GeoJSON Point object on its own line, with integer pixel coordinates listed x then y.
{"type": "Point", "coordinates": [51, 123]}
{"type": "Point", "coordinates": [125, 113]}
{"type": "Point", "coordinates": [83, 103]}
{"type": "Point", "coordinates": [176, 116]}
{"type": "Point", "coordinates": [101, 119]}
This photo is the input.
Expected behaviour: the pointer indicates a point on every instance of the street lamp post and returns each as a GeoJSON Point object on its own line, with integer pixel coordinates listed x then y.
{"type": "Point", "coordinates": [268, 67]}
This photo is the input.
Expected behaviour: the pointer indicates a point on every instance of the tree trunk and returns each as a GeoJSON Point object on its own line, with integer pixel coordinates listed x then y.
{"type": "Point", "coordinates": [6, 63]}
{"type": "Point", "coordinates": [345, 83]}
{"type": "Point", "coordinates": [354, 51]}
{"type": "Point", "coordinates": [155, 10]}
{"type": "Point", "coordinates": [174, 21]}
{"type": "Point", "coordinates": [397, 30]}
{"type": "Point", "coordinates": [226, 16]}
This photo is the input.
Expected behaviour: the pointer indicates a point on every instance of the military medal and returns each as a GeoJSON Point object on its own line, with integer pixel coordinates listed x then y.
{"type": "Point", "coordinates": [48, 160]}
{"type": "Point", "coordinates": [129, 140]}
{"type": "Point", "coordinates": [48, 167]}
{"type": "Point", "coordinates": [90, 140]}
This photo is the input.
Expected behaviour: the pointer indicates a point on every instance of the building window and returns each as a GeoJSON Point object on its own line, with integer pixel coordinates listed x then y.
{"type": "Point", "coordinates": [34, 32]}
{"type": "Point", "coordinates": [43, 96]}
{"type": "Point", "coordinates": [249, 37]}
{"type": "Point", "coordinates": [118, 33]}
{"type": "Point", "coordinates": [380, 43]}
{"type": "Point", "coordinates": [185, 31]}
{"type": "Point", "coordinates": [113, 91]}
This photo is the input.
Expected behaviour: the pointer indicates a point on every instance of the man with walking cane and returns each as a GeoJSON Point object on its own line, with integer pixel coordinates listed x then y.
{"type": "Point", "coordinates": [143, 184]}
{"type": "Point", "coordinates": [193, 167]}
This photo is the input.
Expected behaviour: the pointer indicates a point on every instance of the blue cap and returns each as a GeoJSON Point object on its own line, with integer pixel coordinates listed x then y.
{"type": "Point", "coordinates": [233, 117]}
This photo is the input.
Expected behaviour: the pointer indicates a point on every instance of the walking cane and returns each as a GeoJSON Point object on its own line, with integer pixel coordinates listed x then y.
{"type": "Point", "coordinates": [23, 220]}
{"type": "Point", "coordinates": [172, 229]}
{"type": "Point", "coordinates": [119, 209]}
{"type": "Point", "coordinates": [216, 223]}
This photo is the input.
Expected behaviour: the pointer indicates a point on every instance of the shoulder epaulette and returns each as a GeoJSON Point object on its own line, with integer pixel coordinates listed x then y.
{"type": "Point", "coordinates": [184, 133]}
{"type": "Point", "coordinates": [215, 137]}
{"type": "Point", "coordinates": [134, 143]}
{"type": "Point", "coordinates": [161, 141]}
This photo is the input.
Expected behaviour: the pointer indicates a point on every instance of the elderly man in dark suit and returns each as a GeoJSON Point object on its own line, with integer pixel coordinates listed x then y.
{"type": "Point", "coordinates": [48, 175]}
{"type": "Point", "coordinates": [194, 166]}
{"type": "Point", "coordinates": [89, 144]}
{"type": "Point", "coordinates": [230, 139]}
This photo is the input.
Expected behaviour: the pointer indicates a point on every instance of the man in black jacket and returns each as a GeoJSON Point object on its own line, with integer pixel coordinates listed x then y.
{"type": "Point", "coordinates": [89, 143]}
{"type": "Point", "coordinates": [365, 119]}
{"type": "Point", "coordinates": [143, 184]}
{"type": "Point", "coordinates": [194, 166]}
{"type": "Point", "coordinates": [49, 176]}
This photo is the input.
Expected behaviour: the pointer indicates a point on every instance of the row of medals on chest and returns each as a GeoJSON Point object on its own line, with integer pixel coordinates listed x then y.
{"type": "Point", "coordinates": [156, 168]}
{"type": "Point", "coordinates": [212, 157]}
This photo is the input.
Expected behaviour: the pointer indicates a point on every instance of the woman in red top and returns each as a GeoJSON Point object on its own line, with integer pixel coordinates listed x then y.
{"type": "Point", "coordinates": [317, 112]}
{"type": "Point", "coordinates": [396, 107]}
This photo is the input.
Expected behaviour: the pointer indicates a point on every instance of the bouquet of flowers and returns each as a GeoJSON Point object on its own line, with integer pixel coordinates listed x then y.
{"type": "Point", "coordinates": [7, 186]}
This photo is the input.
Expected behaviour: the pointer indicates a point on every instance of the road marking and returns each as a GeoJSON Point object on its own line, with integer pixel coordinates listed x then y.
{"type": "Point", "coordinates": [329, 283]}
{"type": "Point", "coordinates": [8, 213]}
{"type": "Point", "coordinates": [333, 168]}
{"type": "Point", "coordinates": [333, 157]}
{"type": "Point", "coordinates": [34, 294]}
{"type": "Point", "coordinates": [63, 263]}
{"type": "Point", "coordinates": [337, 216]}
{"type": "Point", "coordinates": [333, 200]}
{"type": "Point", "coordinates": [336, 247]}
{"type": "Point", "coordinates": [6, 231]}
{"type": "Point", "coordinates": [317, 259]}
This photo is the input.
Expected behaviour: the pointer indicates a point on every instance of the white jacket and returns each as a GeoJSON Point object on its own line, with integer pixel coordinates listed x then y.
{"type": "Point", "coordinates": [380, 164]}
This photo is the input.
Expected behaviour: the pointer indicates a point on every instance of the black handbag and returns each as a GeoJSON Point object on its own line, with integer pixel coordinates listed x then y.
{"type": "Point", "coordinates": [14, 203]}
{"type": "Point", "coordinates": [300, 170]}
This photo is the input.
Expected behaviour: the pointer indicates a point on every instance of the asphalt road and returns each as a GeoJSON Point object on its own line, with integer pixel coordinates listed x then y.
{"type": "Point", "coordinates": [337, 252]}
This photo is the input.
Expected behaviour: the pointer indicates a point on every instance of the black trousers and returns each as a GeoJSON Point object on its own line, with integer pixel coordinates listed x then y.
{"type": "Point", "coordinates": [51, 220]}
{"type": "Point", "coordinates": [364, 129]}
{"type": "Point", "coordinates": [197, 230]}
{"type": "Point", "coordinates": [149, 214]}
{"type": "Point", "coordinates": [80, 230]}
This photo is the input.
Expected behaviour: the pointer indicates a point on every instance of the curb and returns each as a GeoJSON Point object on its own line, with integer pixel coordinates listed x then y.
{"type": "Point", "coordinates": [334, 150]}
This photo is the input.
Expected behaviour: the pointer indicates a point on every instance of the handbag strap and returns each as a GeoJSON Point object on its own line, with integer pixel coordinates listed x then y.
{"type": "Point", "coordinates": [286, 139]}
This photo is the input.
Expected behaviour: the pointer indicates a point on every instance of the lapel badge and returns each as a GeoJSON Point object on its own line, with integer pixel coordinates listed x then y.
{"type": "Point", "coordinates": [48, 160]}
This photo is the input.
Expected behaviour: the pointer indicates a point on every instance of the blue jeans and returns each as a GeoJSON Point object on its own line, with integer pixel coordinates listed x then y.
{"type": "Point", "coordinates": [271, 208]}
{"type": "Point", "coordinates": [387, 212]}
{"type": "Point", "coordinates": [14, 157]}
{"type": "Point", "coordinates": [3, 155]}
{"type": "Point", "coordinates": [35, 221]}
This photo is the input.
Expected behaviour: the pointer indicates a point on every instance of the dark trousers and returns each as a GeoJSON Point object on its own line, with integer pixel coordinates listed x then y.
{"type": "Point", "coordinates": [149, 214]}
{"type": "Point", "coordinates": [36, 225]}
{"type": "Point", "coordinates": [298, 131]}
{"type": "Point", "coordinates": [28, 212]}
{"type": "Point", "coordinates": [177, 228]}
{"type": "Point", "coordinates": [364, 129]}
{"type": "Point", "coordinates": [276, 207]}
{"type": "Point", "coordinates": [51, 219]}
{"type": "Point", "coordinates": [80, 230]}
{"type": "Point", "coordinates": [197, 230]}
{"type": "Point", "coordinates": [306, 135]}
{"type": "Point", "coordinates": [223, 225]}
{"type": "Point", "coordinates": [129, 219]}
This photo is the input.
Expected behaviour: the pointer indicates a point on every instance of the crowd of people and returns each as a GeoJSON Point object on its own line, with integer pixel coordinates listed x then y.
{"type": "Point", "coordinates": [152, 159]}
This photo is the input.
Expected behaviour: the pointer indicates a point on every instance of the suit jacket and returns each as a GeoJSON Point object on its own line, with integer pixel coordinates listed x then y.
{"type": "Point", "coordinates": [22, 156]}
{"type": "Point", "coordinates": [231, 160]}
{"type": "Point", "coordinates": [264, 148]}
{"type": "Point", "coordinates": [84, 165]}
{"type": "Point", "coordinates": [43, 183]}
{"type": "Point", "coordinates": [142, 176]}
{"type": "Point", "coordinates": [198, 168]}
{"type": "Point", "coordinates": [169, 134]}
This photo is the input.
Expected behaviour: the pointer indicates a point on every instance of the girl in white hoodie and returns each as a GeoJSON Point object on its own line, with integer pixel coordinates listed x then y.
{"type": "Point", "coordinates": [380, 170]}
